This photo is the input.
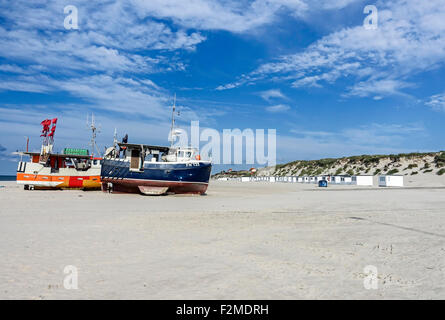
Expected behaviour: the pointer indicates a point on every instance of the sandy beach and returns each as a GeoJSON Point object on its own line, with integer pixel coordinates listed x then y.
{"type": "Point", "coordinates": [240, 241]}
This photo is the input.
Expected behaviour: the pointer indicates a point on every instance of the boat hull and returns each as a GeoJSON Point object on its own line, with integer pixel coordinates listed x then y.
{"type": "Point", "coordinates": [59, 182]}
{"type": "Point", "coordinates": [179, 178]}
{"type": "Point", "coordinates": [36, 176]}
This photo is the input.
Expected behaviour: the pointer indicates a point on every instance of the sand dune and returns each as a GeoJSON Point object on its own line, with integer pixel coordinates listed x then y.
{"type": "Point", "coordinates": [240, 241]}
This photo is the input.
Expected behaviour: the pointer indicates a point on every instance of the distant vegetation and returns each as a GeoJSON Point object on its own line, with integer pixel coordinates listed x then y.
{"type": "Point", "coordinates": [413, 163]}
{"type": "Point", "coordinates": [440, 160]}
{"type": "Point", "coordinates": [393, 171]}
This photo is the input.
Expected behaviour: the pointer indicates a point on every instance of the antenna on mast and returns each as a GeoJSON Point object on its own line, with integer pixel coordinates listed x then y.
{"type": "Point", "coordinates": [115, 138]}
{"type": "Point", "coordinates": [94, 131]}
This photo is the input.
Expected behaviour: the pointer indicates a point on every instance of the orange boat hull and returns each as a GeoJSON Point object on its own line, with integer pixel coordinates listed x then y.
{"type": "Point", "coordinates": [59, 182]}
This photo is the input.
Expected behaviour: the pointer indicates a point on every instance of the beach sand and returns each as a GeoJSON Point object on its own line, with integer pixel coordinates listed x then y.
{"type": "Point", "coordinates": [240, 241]}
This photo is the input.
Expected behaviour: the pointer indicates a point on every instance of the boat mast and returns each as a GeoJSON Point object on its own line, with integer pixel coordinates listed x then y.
{"type": "Point", "coordinates": [49, 129]}
{"type": "Point", "coordinates": [94, 131]}
{"type": "Point", "coordinates": [115, 138]}
{"type": "Point", "coordinates": [172, 131]}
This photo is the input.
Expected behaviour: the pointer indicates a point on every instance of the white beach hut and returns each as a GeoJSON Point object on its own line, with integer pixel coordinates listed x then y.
{"type": "Point", "coordinates": [347, 180]}
{"type": "Point", "coordinates": [336, 179]}
{"type": "Point", "coordinates": [362, 180]}
{"type": "Point", "coordinates": [341, 179]}
{"type": "Point", "coordinates": [390, 181]}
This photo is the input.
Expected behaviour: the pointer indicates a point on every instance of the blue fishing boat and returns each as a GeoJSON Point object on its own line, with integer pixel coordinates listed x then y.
{"type": "Point", "coordinates": [155, 170]}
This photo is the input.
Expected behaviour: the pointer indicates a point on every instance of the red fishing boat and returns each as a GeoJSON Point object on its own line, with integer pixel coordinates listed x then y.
{"type": "Point", "coordinates": [72, 169]}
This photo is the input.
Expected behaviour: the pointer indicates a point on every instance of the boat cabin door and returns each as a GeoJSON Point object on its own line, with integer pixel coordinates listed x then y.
{"type": "Point", "coordinates": [135, 160]}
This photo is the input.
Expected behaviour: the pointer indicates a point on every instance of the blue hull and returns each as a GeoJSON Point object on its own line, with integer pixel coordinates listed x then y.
{"type": "Point", "coordinates": [178, 177]}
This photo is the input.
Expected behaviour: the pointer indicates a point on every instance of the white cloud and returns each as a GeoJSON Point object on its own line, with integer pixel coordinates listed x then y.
{"type": "Point", "coordinates": [24, 84]}
{"type": "Point", "coordinates": [71, 130]}
{"type": "Point", "coordinates": [374, 138]}
{"type": "Point", "coordinates": [329, 4]}
{"type": "Point", "coordinates": [437, 102]}
{"type": "Point", "coordinates": [107, 40]}
{"type": "Point", "coordinates": [112, 35]}
{"type": "Point", "coordinates": [272, 94]}
{"type": "Point", "coordinates": [225, 87]}
{"type": "Point", "coordinates": [231, 15]}
{"type": "Point", "coordinates": [234, 16]}
{"type": "Point", "coordinates": [410, 38]}
{"type": "Point", "coordinates": [383, 87]}
{"type": "Point", "coordinates": [381, 134]}
{"type": "Point", "coordinates": [12, 69]}
{"type": "Point", "coordinates": [373, 134]}
{"type": "Point", "coordinates": [278, 108]}
{"type": "Point", "coordinates": [91, 64]}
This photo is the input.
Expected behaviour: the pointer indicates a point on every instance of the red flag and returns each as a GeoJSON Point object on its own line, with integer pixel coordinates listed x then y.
{"type": "Point", "coordinates": [53, 128]}
{"type": "Point", "coordinates": [45, 124]}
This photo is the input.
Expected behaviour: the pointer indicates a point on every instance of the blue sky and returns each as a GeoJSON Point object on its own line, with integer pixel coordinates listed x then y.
{"type": "Point", "coordinates": [306, 68]}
